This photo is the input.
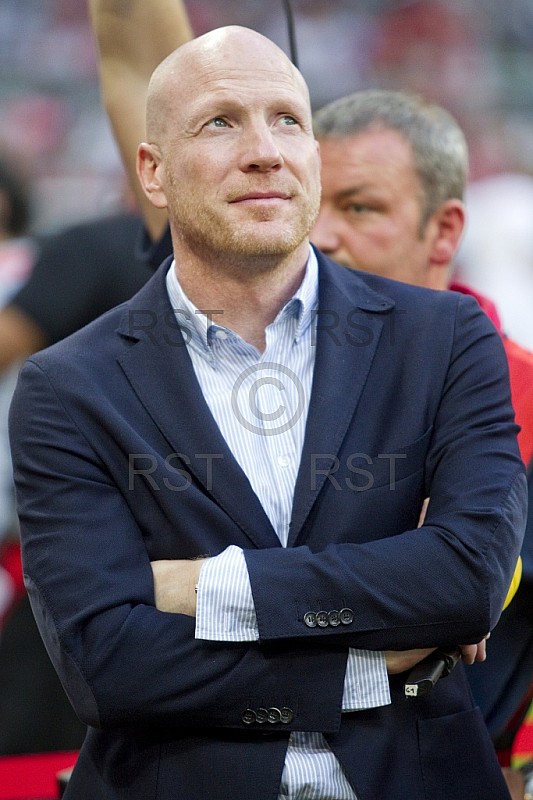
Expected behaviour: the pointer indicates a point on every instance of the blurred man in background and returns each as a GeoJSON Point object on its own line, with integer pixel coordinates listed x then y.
{"type": "Point", "coordinates": [394, 171]}
{"type": "Point", "coordinates": [17, 256]}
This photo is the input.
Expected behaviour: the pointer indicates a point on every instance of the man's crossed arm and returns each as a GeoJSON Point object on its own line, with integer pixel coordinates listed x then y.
{"type": "Point", "coordinates": [175, 583]}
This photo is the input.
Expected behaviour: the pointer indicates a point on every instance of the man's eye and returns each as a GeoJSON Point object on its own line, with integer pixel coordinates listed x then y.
{"type": "Point", "coordinates": [287, 119]}
{"type": "Point", "coordinates": [357, 208]}
{"type": "Point", "coordinates": [217, 122]}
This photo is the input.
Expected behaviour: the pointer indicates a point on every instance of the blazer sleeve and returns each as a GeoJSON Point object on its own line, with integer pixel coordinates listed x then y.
{"type": "Point", "coordinates": [446, 582]}
{"type": "Point", "coordinates": [122, 662]}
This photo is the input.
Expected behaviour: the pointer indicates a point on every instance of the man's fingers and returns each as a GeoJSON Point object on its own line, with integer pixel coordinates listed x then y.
{"type": "Point", "coordinates": [402, 660]}
{"type": "Point", "coordinates": [474, 652]}
{"type": "Point", "coordinates": [423, 512]}
{"type": "Point", "coordinates": [481, 650]}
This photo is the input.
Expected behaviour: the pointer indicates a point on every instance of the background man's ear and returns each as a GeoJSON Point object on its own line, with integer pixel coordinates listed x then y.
{"type": "Point", "coordinates": [450, 221]}
{"type": "Point", "coordinates": [149, 172]}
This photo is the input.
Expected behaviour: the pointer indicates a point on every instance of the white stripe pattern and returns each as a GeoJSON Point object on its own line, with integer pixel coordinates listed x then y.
{"type": "Point", "coordinates": [260, 403]}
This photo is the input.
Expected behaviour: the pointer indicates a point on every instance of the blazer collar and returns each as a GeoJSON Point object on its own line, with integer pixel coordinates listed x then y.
{"type": "Point", "coordinates": [161, 373]}
{"type": "Point", "coordinates": [349, 324]}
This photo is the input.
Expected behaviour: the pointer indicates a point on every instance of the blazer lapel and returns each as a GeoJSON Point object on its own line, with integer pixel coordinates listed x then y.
{"type": "Point", "coordinates": [161, 373]}
{"type": "Point", "coordinates": [349, 325]}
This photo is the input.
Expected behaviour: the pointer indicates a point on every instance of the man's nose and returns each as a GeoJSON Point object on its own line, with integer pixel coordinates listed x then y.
{"type": "Point", "coordinates": [324, 233]}
{"type": "Point", "coordinates": [261, 151]}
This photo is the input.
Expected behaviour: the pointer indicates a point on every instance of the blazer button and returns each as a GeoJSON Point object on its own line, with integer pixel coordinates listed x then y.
{"type": "Point", "coordinates": [274, 716]}
{"type": "Point", "coordinates": [248, 716]}
{"type": "Point", "coordinates": [322, 619]}
{"type": "Point", "coordinates": [261, 715]}
{"type": "Point", "coordinates": [346, 615]}
{"type": "Point", "coordinates": [286, 715]}
{"type": "Point", "coordinates": [334, 618]}
{"type": "Point", "coordinates": [310, 619]}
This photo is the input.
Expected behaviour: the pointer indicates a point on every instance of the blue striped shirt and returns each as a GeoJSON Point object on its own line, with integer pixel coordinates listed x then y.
{"type": "Point", "coordinates": [260, 404]}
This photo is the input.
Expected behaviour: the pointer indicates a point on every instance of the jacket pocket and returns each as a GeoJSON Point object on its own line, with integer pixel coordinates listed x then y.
{"type": "Point", "coordinates": [458, 760]}
{"type": "Point", "coordinates": [389, 467]}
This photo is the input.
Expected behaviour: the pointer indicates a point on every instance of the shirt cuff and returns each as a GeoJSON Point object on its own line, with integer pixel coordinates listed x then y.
{"type": "Point", "coordinates": [224, 605]}
{"type": "Point", "coordinates": [225, 612]}
{"type": "Point", "coordinates": [366, 684]}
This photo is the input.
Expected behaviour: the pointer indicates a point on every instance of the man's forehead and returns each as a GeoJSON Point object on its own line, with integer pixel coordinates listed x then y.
{"type": "Point", "coordinates": [236, 87]}
{"type": "Point", "coordinates": [371, 135]}
{"type": "Point", "coordinates": [232, 60]}
{"type": "Point", "coordinates": [210, 70]}
{"type": "Point", "coordinates": [273, 71]}
{"type": "Point", "coordinates": [376, 145]}
{"type": "Point", "coordinates": [366, 162]}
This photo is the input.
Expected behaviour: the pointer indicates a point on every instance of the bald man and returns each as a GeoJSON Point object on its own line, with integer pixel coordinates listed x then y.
{"type": "Point", "coordinates": [220, 482]}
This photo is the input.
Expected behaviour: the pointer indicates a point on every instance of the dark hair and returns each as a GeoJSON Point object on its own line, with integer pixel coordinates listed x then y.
{"type": "Point", "coordinates": [439, 148]}
{"type": "Point", "coordinates": [16, 216]}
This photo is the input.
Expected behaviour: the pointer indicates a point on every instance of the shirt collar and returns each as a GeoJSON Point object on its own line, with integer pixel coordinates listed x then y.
{"type": "Point", "coordinates": [199, 329]}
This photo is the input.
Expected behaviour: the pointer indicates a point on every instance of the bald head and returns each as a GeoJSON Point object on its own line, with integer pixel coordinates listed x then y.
{"type": "Point", "coordinates": [195, 66]}
{"type": "Point", "coordinates": [231, 152]}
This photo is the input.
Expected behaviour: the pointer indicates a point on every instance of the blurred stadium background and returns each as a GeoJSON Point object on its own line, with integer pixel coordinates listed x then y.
{"type": "Point", "coordinates": [473, 56]}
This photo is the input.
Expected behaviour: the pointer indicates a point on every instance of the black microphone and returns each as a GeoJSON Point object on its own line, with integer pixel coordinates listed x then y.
{"type": "Point", "coordinates": [290, 28]}
{"type": "Point", "coordinates": [427, 672]}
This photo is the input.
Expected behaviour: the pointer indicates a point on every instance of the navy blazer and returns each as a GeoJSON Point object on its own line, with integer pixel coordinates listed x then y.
{"type": "Point", "coordinates": [110, 437]}
{"type": "Point", "coordinates": [503, 685]}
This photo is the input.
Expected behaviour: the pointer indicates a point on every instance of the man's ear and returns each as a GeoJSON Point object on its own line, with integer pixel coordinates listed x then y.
{"type": "Point", "coordinates": [448, 224]}
{"type": "Point", "coordinates": [149, 172]}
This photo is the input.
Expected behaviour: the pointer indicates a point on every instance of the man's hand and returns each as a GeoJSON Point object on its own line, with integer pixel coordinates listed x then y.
{"type": "Point", "coordinates": [474, 652]}
{"type": "Point", "coordinates": [175, 583]}
{"type": "Point", "coordinates": [402, 660]}
{"type": "Point", "coordinates": [423, 512]}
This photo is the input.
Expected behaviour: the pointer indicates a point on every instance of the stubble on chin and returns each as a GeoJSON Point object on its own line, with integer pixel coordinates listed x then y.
{"type": "Point", "coordinates": [254, 245]}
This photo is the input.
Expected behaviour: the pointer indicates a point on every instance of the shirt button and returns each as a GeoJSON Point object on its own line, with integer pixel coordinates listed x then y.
{"type": "Point", "coordinates": [346, 615]}
{"type": "Point", "coordinates": [310, 619]}
{"type": "Point", "coordinates": [322, 619]}
{"type": "Point", "coordinates": [220, 334]}
{"type": "Point", "coordinates": [284, 461]}
{"type": "Point", "coordinates": [248, 716]}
